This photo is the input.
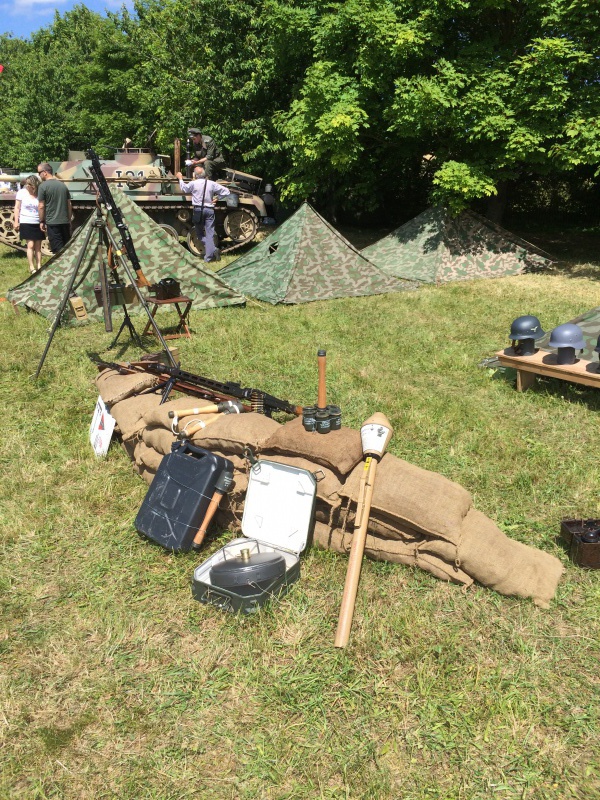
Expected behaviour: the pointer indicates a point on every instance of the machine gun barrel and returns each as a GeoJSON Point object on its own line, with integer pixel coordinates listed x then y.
{"type": "Point", "coordinates": [109, 202]}
{"type": "Point", "coordinates": [175, 378]}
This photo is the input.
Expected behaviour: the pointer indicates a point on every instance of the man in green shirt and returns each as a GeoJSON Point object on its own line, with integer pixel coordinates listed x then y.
{"type": "Point", "coordinates": [207, 155]}
{"type": "Point", "coordinates": [55, 208]}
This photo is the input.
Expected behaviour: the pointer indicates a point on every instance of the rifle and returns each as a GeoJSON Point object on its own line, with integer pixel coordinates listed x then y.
{"type": "Point", "coordinates": [207, 388]}
{"type": "Point", "coordinates": [109, 202]}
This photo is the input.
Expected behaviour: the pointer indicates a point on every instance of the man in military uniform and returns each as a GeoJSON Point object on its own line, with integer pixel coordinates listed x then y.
{"type": "Point", "coordinates": [206, 154]}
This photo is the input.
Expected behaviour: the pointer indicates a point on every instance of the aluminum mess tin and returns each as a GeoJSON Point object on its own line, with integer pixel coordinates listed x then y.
{"type": "Point", "coordinates": [278, 518]}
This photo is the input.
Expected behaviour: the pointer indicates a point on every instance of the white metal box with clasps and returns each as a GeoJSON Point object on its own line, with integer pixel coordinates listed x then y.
{"type": "Point", "coordinates": [278, 518]}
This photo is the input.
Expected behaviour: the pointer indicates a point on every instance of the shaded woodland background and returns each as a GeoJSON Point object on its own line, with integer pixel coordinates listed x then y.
{"type": "Point", "coordinates": [370, 109]}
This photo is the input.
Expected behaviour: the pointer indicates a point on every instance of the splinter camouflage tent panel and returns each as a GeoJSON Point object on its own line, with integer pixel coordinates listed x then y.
{"type": "Point", "coordinates": [589, 322]}
{"type": "Point", "coordinates": [436, 248]}
{"type": "Point", "coordinates": [306, 259]}
{"type": "Point", "coordinates": [160, 257]}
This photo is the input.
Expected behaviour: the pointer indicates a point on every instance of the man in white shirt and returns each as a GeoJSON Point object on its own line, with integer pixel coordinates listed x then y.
{"type": "Point", "coordinates": [203, 193]}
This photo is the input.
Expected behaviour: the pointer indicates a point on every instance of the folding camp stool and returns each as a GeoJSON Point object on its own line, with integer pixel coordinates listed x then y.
{"type": "Point", "coordinates": [182, 329]}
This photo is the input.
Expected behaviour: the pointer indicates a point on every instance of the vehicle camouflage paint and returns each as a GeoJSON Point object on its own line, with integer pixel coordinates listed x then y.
{"type": "Point", "coordinates": [146, 178]}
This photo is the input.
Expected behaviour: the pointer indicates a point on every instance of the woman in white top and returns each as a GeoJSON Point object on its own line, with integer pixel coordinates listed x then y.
{"type": "Point", "coordinates": [27, 221]}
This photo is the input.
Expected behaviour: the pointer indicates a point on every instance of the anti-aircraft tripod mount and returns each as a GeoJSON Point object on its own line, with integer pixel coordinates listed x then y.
{"type": "Point", "coordinates": [127, 256]}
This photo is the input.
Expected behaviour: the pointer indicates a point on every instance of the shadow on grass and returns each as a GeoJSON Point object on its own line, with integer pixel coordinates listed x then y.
{"type": "Point", "coordinates": [553, 387]}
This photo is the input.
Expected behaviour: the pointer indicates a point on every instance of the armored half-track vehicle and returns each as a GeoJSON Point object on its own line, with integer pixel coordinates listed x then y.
{"type": "Point", "coordinates": [147, 179]}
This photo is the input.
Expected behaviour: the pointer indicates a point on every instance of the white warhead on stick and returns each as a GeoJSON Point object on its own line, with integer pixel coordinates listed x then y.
{"type": "Point", "coordinates": [375, 433]}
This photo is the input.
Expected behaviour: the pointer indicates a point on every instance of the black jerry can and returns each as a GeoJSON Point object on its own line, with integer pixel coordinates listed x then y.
{"type": "Point", "coordinates": [179, 495]}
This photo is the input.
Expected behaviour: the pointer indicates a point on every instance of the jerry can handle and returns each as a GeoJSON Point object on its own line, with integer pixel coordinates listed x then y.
{"type": "Point", "coordinates": [186, 448]}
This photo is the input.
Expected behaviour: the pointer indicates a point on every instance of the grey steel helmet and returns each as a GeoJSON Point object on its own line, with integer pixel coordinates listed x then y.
{"type": "Point", "coordinates": [527, 327]}
{"type": "Point", "coordinates": [567, 335]}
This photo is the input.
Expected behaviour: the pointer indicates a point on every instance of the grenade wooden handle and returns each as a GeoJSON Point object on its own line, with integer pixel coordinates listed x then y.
{"type": "Point", "coordinates": [187, 433]}
{"type": "Point", "coordinates": [322, 393]}
{"type": "Point", "coordinates": [210, 408]}
{"type": "Point", "coordinates": [210, 512]}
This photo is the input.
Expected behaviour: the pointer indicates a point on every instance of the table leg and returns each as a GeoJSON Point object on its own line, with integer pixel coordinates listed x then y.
{"type": "Point", "coordinates": [149, 324]}
{"type": "Point", "coordinates": [525, 380]}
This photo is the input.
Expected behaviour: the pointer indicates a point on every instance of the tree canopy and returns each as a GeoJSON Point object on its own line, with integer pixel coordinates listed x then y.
{"type": "Point", "coordinates": [354, 103]}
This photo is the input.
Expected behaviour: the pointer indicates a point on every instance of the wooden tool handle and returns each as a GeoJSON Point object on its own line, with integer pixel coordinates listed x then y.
{"type": "Point", "coordinates": [210, 408]}
{"type": "Point", "coordinates": [210, 512]}
{"type": "Point", "coordinates": [322, 393]}
{"type": "Point", "coordinates": [356, 554]}
{"type": "Point", "coordinates": [187, 433]}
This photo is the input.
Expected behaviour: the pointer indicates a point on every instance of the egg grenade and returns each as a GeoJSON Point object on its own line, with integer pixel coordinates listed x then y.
{"type": "Point", "coordinates": [566, 339]}
{"type": "Point", "coordinates": [523, 332]}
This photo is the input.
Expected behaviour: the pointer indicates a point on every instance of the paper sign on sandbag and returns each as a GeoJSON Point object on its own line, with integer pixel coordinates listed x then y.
{"type": "Point", "coordinates": [101, 429]}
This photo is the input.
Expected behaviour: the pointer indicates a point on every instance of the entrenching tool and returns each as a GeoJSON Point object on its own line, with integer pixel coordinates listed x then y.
{"type": "Point", "coordinates": [375, 434]}
{"type": "Point", "coordinates": [224, 482]}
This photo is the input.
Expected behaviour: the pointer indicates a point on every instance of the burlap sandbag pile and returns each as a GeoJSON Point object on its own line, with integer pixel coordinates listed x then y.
{"type": "Point", "coordinates": [418, 518]}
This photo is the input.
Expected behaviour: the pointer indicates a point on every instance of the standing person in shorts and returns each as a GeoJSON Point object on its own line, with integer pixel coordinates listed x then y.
{"type": "Point", "coordinates": [55, 208]}
{"type": "Point", "coordinates": [27, 221]}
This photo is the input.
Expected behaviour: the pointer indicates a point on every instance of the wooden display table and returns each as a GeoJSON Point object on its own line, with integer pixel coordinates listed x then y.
{"type": "Point", "coordinates": [544, 363]}
{"type": "Point", "coordinates": [183, 316]}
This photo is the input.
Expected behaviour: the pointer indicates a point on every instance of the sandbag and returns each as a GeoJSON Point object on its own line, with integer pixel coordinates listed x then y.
{"type": "Point", "coordinates": [397, 552]}
{"type": "Point", "coordinates": [413, 498]}
{"type": "Point", "coordinates": [147, 457]}
{"type": "Point", "coordinates": [129, 414]}
{"type": "Point", "coordinates": [503, 564]}
{"type": "Point", "coordinates": [114, 387]}
{"type": "Point", "coordinates": [339, 450]}
{"type": "Point", "coordinates": [159, 439]}
{"type": "Point", "coordinates": [232, 432]}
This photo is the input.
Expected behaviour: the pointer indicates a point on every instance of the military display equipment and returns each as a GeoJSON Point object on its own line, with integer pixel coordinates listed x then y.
{"type": "Point", "coordinates": [147, 179]}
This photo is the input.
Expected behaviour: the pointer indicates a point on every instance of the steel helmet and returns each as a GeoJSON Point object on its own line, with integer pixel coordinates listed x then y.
{"type": "Point", "coordinates": [527, 327]}
{"type": "Point", "coordinates": [567, 335]}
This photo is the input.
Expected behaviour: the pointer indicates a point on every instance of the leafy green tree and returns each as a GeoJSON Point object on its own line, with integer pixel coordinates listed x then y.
{"type": "Point", "coordinates": [490, 92]}
{"type": "Point", "coordinates": [66, 88]}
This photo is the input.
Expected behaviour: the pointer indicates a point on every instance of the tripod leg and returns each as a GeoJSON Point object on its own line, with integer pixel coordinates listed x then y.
{"type": "Point", "coordinates": [127, 323]}
{"type": "Point", "coordinates": [104, 286]}
{"type": "Point", "coordinates": [143, 302]}
{"type": "Point", "coordinates": [65, 300]}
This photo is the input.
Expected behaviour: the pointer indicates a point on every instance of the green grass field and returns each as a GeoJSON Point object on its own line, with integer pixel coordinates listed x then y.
{"type": "Point", "coordinates": [116, 684]}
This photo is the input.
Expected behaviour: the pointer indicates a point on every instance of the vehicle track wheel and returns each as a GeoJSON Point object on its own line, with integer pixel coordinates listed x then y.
{"type": "Point", "coordinates": [7, 228]}
{"type": "Point", "coordinates": [240, 225]}
{"type": "Point", "coordinates": [195, 246]}
{"type": "Point", "coordinates": [170, 230]}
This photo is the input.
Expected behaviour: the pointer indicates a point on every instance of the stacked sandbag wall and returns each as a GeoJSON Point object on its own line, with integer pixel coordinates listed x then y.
{"type": "Point", "coordinates": [418, 517]}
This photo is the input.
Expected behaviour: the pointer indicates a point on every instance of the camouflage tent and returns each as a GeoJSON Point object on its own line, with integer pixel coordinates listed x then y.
{"type": "Point", "coordinates": [307, 259]}
{"type": "Point", "coordinates": [159, 254]}
{"type": "Point", "coordinates": [589, 322]}
{"type": "Point", "coordinates": [436, 247]}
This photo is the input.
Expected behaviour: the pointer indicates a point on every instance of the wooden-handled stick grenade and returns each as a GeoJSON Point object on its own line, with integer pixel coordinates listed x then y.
{"type": "Point", "coordinates": [375, 433]}
{"type": "Point", "coordinates": [322, 392]}
{"type": "Point", "coordinates": [229, 406]}
{"type": "Point", "coordinates": [196, 425]}
{"type": "Point", "coordinates": [223, 485]}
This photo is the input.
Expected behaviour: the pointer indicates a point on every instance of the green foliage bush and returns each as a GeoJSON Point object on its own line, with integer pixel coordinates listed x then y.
{"type": "Point", "coordinates": [337, 102]}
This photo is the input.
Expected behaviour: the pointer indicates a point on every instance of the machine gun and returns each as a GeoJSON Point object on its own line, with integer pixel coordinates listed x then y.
{"type": "Point", "coordinates": [109, 202]}
{"type": "Point", "coordinates": [207, 388]}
